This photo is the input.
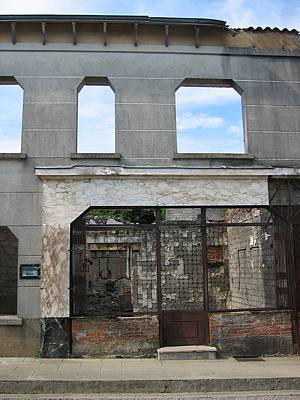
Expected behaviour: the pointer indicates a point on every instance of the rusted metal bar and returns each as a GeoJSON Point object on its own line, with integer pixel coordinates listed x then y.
{"type": "Point", "coordinates": [13, 32]}
{"type": "Point", "coordinates": [229, 310]}
{"type": "Point", "coordinates": [136, 36]}
{"type": "Point", "coordinates": [292, 274]}
{"type": "Point", "coordinates": [205, 269]}
{"type": "Point", "coordinates": [166, 35]}
{"type": "Point", "coordinates": [74, 33]}
{"type": "Point", "coordinates": [210, 224]}
{"type": "Point", "coordinates": [197, 36]}
{"type": "Point", "coordinates": [44, 33]}
{"type": "Point", "coordinates": [104, 33]}
{"type": "Point", "coordinates": [158, 274]}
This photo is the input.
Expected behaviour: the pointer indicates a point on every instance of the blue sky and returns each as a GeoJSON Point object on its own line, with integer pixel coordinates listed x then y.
{"type": "Point", "coordinates": [200, 117]}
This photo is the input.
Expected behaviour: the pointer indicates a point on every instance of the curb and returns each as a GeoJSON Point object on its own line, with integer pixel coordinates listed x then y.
{"type": "Point", "coordinates": [148, 386]}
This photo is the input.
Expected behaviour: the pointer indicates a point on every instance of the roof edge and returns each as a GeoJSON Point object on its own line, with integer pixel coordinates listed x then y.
{"type": "Point", "coordinates": [110, 18]}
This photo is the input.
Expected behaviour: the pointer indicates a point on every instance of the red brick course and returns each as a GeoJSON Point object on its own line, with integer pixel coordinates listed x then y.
{"type": "Point", "coordinates": [134, 335]}
{"type": "Point", "coordinates": [263, 332]}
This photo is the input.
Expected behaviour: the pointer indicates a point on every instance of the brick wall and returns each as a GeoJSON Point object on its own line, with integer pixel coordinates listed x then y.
{"type": "Point", "coordinates": [248, 333]}
{"type": "Point", "coordinates": [121, 336]}
{"type": "Point", "coordinates": [217, 264]}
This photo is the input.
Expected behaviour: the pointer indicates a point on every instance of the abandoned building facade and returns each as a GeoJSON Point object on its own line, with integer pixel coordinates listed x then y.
{"type": "Point", "coordinates": [120, 253]}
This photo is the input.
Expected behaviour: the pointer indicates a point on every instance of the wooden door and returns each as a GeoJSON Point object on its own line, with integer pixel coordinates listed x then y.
{"type": "Point", "coordinates": [184, 327]}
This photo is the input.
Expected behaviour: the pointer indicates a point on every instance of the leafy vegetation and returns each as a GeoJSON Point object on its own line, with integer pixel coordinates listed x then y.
{"type": "Point", "coordinates": [130, 215]}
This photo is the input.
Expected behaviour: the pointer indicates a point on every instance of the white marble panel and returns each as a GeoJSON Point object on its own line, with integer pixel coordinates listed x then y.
{"type": "Point", "coordinates": [65, 199]}
{"type": "Point", "coordinates": [55, 271]}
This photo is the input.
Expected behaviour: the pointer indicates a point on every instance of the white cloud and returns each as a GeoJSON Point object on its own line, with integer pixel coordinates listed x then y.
{"type": "Point", "coordinates": [206, 96]}
{"type": "Point", "coordinates": [235, 130]}
{"type": "Point", "coordinates": [238, 13]}
{"type": "Point", "coordinates": [10, 145]}
{"type": "Point", "coordinates": [188, 120]}
{"type": "Point", "coordinates": [209, 142]}
{"type": "Point", "coordinates": [33, 6]}
{"type": "Point", "coordinates": [96, 120]}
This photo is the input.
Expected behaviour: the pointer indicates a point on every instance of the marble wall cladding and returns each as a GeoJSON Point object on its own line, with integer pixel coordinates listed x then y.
{"type": "Point", "coordinates": [55, 337]}
{"type": "Point", "coordinates": [66, 199]}
{"type": "Point", "coordinates": [55, 271]}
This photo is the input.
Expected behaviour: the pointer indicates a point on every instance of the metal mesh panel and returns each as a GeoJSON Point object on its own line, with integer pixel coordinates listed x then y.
{"type": "Point", "coordinates": [114, 265]}
{"type": "Point", "coordinates": [240, 258]}
{"type": "Point", "coordinates": [181, 267]}
{"type": "Point", "coordinates": [144, 272]}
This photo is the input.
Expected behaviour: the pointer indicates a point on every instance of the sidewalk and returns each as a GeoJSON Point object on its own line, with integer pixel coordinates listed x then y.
{"type": "Point", "coordinates": [26, 375]}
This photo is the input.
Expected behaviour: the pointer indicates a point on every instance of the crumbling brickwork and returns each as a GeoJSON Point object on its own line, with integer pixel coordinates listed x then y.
{"type": "Point", "coordinates": [123, 336]}
{"type": "Point", "coordinates": [217, 264]}
{"type": "Point", "coordinates": [249, 333]}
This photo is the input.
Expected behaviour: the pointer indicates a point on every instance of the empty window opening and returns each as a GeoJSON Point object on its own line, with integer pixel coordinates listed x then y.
{"type": "Point", "coordinates": [11, 105]}
{"type": "Point", "coordinates": [209, 120]}
{"type": "Point", "coordinates": [8, 271]}
{"type": "Point", "coordinates": [96, 119]}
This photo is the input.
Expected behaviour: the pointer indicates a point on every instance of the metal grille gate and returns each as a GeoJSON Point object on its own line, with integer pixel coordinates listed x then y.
{"type": "Point", "coordinates": [171, 267]}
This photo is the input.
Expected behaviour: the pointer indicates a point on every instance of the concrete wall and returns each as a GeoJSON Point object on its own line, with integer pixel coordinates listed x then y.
{"type": "Point", "coordinates": [21, 341]}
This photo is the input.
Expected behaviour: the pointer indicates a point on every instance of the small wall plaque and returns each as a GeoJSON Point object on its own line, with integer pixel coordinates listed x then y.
{"type": "Point", "coordinates": [30, 271]}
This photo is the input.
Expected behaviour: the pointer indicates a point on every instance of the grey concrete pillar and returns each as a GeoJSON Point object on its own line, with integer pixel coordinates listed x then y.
{"type": "Point", "coordinates": [145, 117]}
{"type": "Point", "coordinates": [49, 116]}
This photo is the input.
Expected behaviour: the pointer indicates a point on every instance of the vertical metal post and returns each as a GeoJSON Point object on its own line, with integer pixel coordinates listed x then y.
{"type": "Point", "coordinates": [158, 275]}
{"type": "Point", "coordinates": [136, 39]}
{"type": "Point", "coordinates": [204, 266]}
{"type": "Point", "coordinates": [292, 274]}
{"type": "Point", "coordinates": [197, 40]}
{"type": "Point", "coordinates": [104, 33]}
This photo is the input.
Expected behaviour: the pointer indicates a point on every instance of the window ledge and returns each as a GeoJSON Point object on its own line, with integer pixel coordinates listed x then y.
{"type": "Point", "coordinates": [10, 320]}
{"type": "Point", "coordinates": [216, 156]}
{"type": "Point", "coordinates": [86, 156]}
{"type": "Point", "coordinates": [13, 156]}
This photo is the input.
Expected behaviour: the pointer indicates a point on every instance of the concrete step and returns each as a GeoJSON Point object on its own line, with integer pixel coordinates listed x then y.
{"type": "Point", "coordinates": [196, 352]}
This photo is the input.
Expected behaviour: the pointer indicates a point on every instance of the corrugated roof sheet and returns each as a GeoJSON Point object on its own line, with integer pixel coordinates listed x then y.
{"type": "Point", "coordinates": [267, 29]}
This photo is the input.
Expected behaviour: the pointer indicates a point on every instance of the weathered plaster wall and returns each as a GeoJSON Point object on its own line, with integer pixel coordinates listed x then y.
{"type": "Point", "coordinates": [22, 340]}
